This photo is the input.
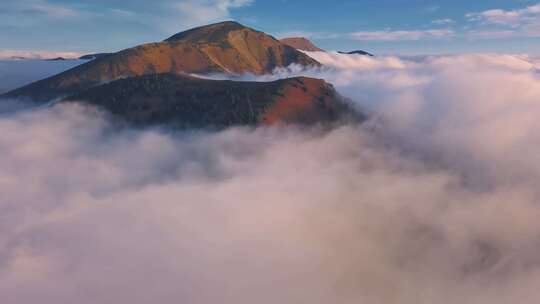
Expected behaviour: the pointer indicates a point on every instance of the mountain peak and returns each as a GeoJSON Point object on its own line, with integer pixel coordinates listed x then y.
{"type": "Point", "coordinates": [208, 33]}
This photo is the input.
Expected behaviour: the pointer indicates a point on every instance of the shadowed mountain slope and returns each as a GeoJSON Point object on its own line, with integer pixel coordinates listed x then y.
{"type": "Point", "coordinates": [226, 47]}
{"type": "Point", "coordinates": [189, 102]}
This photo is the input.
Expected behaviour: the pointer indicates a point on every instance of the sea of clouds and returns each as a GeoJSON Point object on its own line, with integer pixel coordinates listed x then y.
{"type": "Point", "coordinates": [434, 200]}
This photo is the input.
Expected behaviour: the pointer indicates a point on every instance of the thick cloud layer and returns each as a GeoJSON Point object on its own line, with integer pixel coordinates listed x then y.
{"type": "Point", "coordinates": [433, 201]}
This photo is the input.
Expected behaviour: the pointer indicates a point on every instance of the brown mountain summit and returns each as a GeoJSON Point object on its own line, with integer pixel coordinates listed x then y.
{"type": "Point", "coordinates": [226, 47]}
{"type": "Point", "coordinates": [301, 43]}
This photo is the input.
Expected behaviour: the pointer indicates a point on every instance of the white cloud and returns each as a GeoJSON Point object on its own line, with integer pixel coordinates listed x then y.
{"type": "Point", "coordinates": [492, 34]}
{"type": "Point", "coordinates": [14, 54]}
{"type": "Point", "coordinates": [523, 22]}
{"type": "Point", "coordinates": [170, 16]}
{"type": "Point", "coordinates": [287, 215]}
{"type": "Point", "coordinates": [391, 35]}
{"type": "Point", "coordinates": [208, 11]}
{"type": "Point", "coordinates": [51, 10]}
{"type": "Point", "coordinates": [310, 35]}
{"type": "Point", "coordinates": [508, 17]}
{"type": "Point", "coordinates": [490, 24]}
{"type": "Point", "coordinates": [443, 21]}
{"type": "Point", "coordinates": [173, 16]}
{"type": "Point", "coordinates": [358, 62]}
{"type": "Point", "coordinates": [432, 8]}
{"type": "Point", "coordinates": [228, 4]}
{"type": "Point", "coordinates": [38, 9]}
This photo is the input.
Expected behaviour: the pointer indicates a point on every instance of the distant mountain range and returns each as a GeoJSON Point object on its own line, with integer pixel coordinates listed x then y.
{"type": "Point", "coordinates": [150, 83]}
{"type": "Point", "coordinates": [84, 57]}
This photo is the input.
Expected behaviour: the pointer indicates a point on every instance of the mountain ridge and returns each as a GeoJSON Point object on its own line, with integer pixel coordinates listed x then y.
{"type": "Point", "coordinates": [225, 47]}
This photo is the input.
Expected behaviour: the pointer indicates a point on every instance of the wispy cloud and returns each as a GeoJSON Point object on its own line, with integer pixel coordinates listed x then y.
{"type": "Point", "coordinates": [383, 35]}
{"type": "Point", "coordinates": [196, 12]}
{"type": "Point", "coordinates": [489, 24]}
{"type": "Point", "coordinates": [402, 35]}
{"type": "Point", "coordinates": [36, 54]}
{"type": "Point", "coordinates": [443, 21]}
{"type": "Point", "coordinates": [515, 18]}
{"type": "Point", "coordinates": [524, 22]}
{"type": "Point", "coordinates": [492, 34]}
{"type": "Point", "coordinates": [219, 216]}
{"type": "Point", "coordinates": [168, 15]}
{"type": "Point", "coordinates": [50, 10]}
{"type": "Point", "coordinates": [39, 8]}
{"type": "Point", "coordinates": [432, 8]}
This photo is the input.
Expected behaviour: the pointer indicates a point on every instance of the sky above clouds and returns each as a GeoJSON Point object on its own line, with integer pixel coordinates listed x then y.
{"type": "Point", "coordinates": [382, 26]}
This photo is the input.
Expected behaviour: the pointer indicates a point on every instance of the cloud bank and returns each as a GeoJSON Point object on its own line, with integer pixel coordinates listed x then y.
{"type": "Point", "coordinates": [433, 201]}
{"type": "Point", "coordinates": [20, 54]}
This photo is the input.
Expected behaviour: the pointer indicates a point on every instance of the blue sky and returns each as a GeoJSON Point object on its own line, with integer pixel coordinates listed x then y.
{"type": "Point", "coordinates": [380, 26]}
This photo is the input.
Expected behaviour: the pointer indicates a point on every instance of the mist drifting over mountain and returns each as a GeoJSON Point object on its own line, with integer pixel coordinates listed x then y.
{"type": "Point", "coordinates": [434, 200]}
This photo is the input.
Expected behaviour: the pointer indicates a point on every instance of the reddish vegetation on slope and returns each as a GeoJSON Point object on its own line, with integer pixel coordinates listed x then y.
{"type": "Point", "coordinates": [190, 102]}
{"type": "Point", "coordinates": [303, 100]}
